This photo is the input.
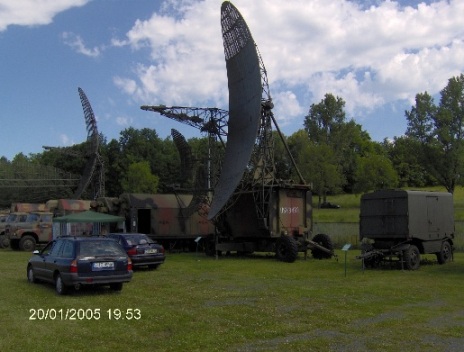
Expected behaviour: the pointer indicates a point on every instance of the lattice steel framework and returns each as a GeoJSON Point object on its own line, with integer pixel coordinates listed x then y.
{"type": "Point", "coordinates": [93, 174]}
{"type": "Point", "coordinates": [212, 121]}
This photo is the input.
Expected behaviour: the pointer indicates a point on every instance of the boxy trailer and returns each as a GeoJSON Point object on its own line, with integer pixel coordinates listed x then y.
{"type": "Point", "coordinates": [405, 224]}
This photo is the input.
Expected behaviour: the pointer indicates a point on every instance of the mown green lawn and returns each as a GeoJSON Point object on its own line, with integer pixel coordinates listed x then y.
{"type": "Point", "coordinates": [198, 303]}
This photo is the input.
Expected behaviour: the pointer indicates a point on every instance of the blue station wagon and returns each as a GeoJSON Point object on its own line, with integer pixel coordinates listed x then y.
{"type": "Point", "coordinates": [72, 262]}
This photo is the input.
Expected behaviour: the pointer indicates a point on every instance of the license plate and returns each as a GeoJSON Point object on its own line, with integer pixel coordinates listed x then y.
{"type": "Point", "coordinates": [99, 266]}
{"type": "Point", "coordinates": [151, 251]}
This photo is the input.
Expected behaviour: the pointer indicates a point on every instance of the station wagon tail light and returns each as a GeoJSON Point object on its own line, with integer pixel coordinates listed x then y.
{"type": "Point", "coordinates": [129, 264]}
{"type": "Point", "coordinates": [73, 267]}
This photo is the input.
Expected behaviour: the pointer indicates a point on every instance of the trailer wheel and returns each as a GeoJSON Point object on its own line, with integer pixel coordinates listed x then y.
{"type": "Point", "coordinates": [286, 249]}
{"type": "Point", "coordinates": [326, 242]}
{"type": "Point", "coordinates": [412, 258]}
{"type": "Point", "coordinates": [445, 253]}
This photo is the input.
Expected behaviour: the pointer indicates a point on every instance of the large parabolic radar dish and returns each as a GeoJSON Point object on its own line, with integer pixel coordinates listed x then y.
{"type": "Point", "coordinates": [245, 90]}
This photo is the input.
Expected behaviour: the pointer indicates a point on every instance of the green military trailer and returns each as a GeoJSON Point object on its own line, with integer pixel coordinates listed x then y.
{"type": "Point", "coordinates": [400, 224]}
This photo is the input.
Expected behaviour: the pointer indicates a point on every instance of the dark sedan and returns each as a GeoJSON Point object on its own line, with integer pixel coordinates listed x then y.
{"type": "Point", "coordinates": [71, 262]}
{"type": "Point", "coordinates": [141, 249]}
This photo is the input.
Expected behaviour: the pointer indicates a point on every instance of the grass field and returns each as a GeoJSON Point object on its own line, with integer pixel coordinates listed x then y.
{"type": "Point", "coordinates": [198, 303]}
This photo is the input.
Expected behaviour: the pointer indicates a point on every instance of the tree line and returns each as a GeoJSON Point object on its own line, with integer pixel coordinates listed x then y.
{"type": "Point", "coordinates": [334, 154]}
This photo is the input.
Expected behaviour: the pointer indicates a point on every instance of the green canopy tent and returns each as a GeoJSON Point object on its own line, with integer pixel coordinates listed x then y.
{"type": "Point", "coordinates": [83, 223]}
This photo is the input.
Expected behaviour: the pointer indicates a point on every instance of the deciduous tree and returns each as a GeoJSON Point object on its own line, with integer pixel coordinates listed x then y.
{"type": "Point", "coordinates": [440, 132]}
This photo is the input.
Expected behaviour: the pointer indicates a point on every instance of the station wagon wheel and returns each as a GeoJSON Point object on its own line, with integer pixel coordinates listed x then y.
{"type": "Point", "coordinates": [30, 275]}
{"type": "Point", "coordinates": [412, 258]}
{"type": "Point", "coordinates": [60, 288]}
{"type": "Point", "coordinates": [445, 253]}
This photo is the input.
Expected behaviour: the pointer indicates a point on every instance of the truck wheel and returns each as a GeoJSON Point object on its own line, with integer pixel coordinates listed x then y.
{"type": "Point", "coordinates": [286, 249]}
{"type": "Point", "coordinates": [4, 241]}
{"type": "Point", "coordinates": [445, 253]}
{"type": "Point", "coordinates": [27, 243]}
{"type": "Point", "coordinates": [326, 242]}
{"type": "Point", "coordinates": [412, 258]}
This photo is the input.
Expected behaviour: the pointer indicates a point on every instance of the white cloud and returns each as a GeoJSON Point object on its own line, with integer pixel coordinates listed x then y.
{"type": "Point", "coordinates": [33, 12]}
{"type": "Point", "coordinates": [123, 121]}
{"type": "Point", "coordinates": [368, 55]}
{"type": "Point", "coordinates": [65, 140]}
{"type": "Point", "coordinates": [77, 43]}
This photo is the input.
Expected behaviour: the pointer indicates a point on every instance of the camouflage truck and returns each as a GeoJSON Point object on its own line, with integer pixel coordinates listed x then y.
{"type": "Point", "coordinates": [174, 220]}
{"type": "Point", "coordinates": [37, 228]}
{"type": "Point", "coordinates": [402, 225]}
{"type": "Point", "coordinates": [38, 225]}
{"type": "Point", "coordinates": [10, 223]}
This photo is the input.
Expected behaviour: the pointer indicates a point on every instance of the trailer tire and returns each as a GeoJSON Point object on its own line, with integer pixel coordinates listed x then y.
{"type": "Point", "coordinates": [326, 242]}
{"type": "Point", "coordinates": [445, 253]}
{"type": "Point", "coordinates": [412, 258]}
{"type": "Point", "coordinates": [286, 249]}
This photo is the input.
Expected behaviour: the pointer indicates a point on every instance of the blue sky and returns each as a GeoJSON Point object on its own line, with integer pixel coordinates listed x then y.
{"type": "Point", "coordinates": [376, 55]}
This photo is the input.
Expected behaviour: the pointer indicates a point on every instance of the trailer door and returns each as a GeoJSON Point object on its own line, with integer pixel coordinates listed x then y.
{"type": "Point", "coordinates": [433, 214]}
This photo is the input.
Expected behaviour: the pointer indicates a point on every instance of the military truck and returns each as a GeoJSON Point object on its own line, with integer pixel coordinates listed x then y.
{"type": "Point", "coordinates": [37, 228]}
{"type": "Point", "coordinates": [8, 226]}
{"type": "Point", "coordinates": [401, 225]}
{"type": "Point", "coordinates": [16, 218]}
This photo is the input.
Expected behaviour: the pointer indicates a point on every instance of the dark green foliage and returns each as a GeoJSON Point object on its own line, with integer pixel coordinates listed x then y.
{"type": "Point", "coordinates": [439, 131]}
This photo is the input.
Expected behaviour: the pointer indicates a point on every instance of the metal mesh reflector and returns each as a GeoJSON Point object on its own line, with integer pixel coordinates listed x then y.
{"type": "Point", "coordinates": [244, 82]}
